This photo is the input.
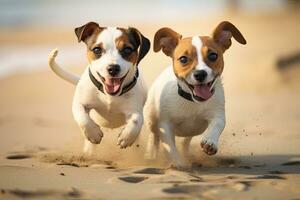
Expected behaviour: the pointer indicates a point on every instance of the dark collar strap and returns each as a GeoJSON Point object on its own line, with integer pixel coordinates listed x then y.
{"type": "Point", "coordinates": [96, 82]}
{"type": "Point", "coordinates": [184, 94]}
{"type": "Point", "coordinates": [125, 89]}
{"type": "Point", "coordinates": [130, 85]}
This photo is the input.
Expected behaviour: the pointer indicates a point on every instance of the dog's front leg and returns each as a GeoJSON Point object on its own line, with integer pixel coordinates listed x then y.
{"type": "Point", "coordinates": [88, 127]}
{"type": "Point", "coordinates": [134, 122]}
{"type": "Point", "coordinates": [211, 136]}
{"type": "Point", "coordinates": [168, 142]}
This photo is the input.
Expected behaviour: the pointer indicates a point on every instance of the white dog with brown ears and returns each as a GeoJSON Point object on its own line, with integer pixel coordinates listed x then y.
{"type": "Point", "coordinates": [111, 92]}
{"type": "Point", "coordinates": [187, 99]}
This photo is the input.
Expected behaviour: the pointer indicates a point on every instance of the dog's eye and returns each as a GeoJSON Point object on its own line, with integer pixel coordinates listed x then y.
{"type": "Point", "coordinates": [127, 51]}
{"type": "Point", "coordinates": [212, 56]}
{"type": "Point", "coordinates": [183, 59]}
{"type": "Point", "coordinates": [97, 50]}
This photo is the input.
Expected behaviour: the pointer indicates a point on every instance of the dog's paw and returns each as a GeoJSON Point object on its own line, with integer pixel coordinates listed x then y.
{"type": "Point", "coordinates": [88, 148]}
{"type": "Point", "coordinates": [180, 165]}
{"type": "Point", "coordinates": [127, 137]}
{"type": "Point", "coordinates": [209, 145]}
{"type": "Point", "coordinates": [92, 132]}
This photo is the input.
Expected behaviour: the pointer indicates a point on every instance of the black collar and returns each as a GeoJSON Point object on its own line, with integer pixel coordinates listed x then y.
{"type": "Point", "coordinates": [124, 89]}
{"type": "Point", "coordinates": [184, 94]}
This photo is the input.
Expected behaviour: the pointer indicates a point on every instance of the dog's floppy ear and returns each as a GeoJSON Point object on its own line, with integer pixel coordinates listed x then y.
{"type": "Point", "coordinates": [166, 39]}
{"type": "Point", "coordinates": [85, 31]}
{"type": "Point", "coordinates": [223, 33]}
{"type": "Point", "coordinates": [142, 42]}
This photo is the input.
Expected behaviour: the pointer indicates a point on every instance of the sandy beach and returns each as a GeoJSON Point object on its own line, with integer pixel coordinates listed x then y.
{"type": "Point", "coordinates": [259, 155]}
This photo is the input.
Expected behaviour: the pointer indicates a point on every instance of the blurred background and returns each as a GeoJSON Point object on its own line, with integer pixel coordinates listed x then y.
{"type": "Point", "coordinates": [37, 26]}
{"type": "Point", "coordinates": [261, 79]}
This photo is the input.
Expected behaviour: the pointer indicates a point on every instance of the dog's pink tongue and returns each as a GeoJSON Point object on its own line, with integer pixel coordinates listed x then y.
{"type": "Point", "coordinates": [202, 91]}
{"type": "Point", "coordinates": [112, 85]}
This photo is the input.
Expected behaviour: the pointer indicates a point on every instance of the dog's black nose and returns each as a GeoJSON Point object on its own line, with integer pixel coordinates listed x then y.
{"type": "Point", "coordinates": [200, 75]}
{"type": "Point", "coordinates": [113, 70]}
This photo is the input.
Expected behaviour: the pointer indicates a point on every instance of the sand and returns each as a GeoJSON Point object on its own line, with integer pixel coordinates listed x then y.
{"type": "Point", "coordinates": [259, 158]}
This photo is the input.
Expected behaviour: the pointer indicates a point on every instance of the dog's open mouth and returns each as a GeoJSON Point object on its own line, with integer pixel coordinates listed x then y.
{"type": "Point", "coordinates": [112, 85]}
{"type": "Point", "coordinates": [203, 92]}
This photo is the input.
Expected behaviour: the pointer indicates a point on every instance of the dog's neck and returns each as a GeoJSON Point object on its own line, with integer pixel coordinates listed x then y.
{"type": "Point", "coordinates": [125, 88]}
{"type": "Point", "coordinates": [184, 94]}
{"type": "Point", "coordinates": [184, 91]}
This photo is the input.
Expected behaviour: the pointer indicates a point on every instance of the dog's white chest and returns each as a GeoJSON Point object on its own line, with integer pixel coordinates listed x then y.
{"type": "Point", "coordinates": [188, 122]}
{"type": "Point", "coordinates": [108, 113]}
{"type": "Point", "coordinates": [109, 106]}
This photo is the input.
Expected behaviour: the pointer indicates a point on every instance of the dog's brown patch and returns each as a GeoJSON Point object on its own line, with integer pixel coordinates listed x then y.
{"type": "Point", "coordinates": [166, 39]}
{"type": "Point", "coordinates": [224, 32]}
{"type": "Point", "coordinates": [90, 54]}
{"type": "Point", "coordinates": [126, 41]}
{"type": "Point", "coordinates": [184, 48]}
{"type": "Point", "coordinates": [208, 46]}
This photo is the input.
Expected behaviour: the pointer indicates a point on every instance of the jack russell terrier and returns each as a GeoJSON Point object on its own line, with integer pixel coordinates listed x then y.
{"type": "Point", "coordinates": [111, 92]}
{"type": "Point", "coordinates": [187, 99]}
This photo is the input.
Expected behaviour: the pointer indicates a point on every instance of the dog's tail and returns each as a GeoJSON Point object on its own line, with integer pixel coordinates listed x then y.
{"type": "Point", "coordinates": [60, 71]}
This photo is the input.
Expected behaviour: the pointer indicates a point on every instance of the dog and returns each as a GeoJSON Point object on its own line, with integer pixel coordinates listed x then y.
{"type": "Point", "coordinates": [187, 99]}
{"type": "Point", "coordinates": [111, 92]}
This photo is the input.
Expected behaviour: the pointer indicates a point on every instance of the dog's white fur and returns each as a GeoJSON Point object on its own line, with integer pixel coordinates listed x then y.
{"type": "Point", "coordinates": [168, 115]}
{"type": "Point", "coordinates": [92, 109]}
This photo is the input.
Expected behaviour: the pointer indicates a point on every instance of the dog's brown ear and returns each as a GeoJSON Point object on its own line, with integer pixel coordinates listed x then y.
{"type": "Point", "coordinates": [223, 33]}
{"type": "Point", "coordinates": [166, 39]}
{"type": "Point", "coordinates": [142, 42]}
{"type": "Point", "coordinates": [85, 31]}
